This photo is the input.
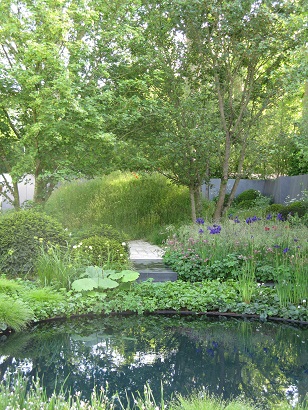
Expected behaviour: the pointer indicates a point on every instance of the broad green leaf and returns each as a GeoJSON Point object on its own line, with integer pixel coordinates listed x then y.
{"type": "Point", "coordinates": [84, 284]}
{"type": "Point", "coordinates": [108, 273]}
{"type": "Point", "coordinates": [130, 275]}
{"type": "Point", "coordinates": [107, 283]}
{"type": "Point", "coordinates": [94, 272]}
{"type": "Point", "coordinates": [116, 275]}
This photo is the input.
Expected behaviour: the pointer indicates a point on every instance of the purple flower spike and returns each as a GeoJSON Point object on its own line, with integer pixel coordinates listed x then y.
{"type": "Point", "coordinates": [200, 221]}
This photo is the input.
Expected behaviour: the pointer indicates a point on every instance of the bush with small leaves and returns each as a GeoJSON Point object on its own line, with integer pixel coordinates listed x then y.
{"type": "Point", "coordinates": [296, 208]}
{"type": "Point", "coordinates": [104, 230]}
{"type": "Point", "coordinates": [99, 251]}
{"type": "Point", "coordinates": [22, 234]}
{"type": "Point", "coordinates": [248, 195]}
{"type": "Point", "coordinates": [246, 204]}
{"type": "Point", "coordinates": [275, 209]}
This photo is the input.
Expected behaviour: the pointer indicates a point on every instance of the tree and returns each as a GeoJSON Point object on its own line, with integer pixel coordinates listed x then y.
{"type": "Point", "coordinates": [241, 49]}
{"type": "Point", "coordinates": [164, 124]}
{"type": "Point", "coordinates": [51, 99]}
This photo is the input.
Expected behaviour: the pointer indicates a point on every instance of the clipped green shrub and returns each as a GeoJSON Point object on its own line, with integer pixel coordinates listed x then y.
{"type": "Point", "coordinates": [105, 230]}
{"type": "Point", "coordinates": [275, 209]}
{"type": "Point", "coordinates": [22, 234]}
{"type": "Point", "coordinates": [246, 204]}
{"type": "Point", "coordinates": [296, 208]}
{"type": "Point", "coordinates": [248, 195]}
{"type": "Point", "coordinates": [99, 251]}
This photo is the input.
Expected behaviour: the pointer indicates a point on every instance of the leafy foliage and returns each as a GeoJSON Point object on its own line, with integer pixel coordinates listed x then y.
{"type": "Point", "coordinates": [99, 251]}
{"type": "Point", "coordinates": [104, 230]}
{"type": "Point", "coordinates": [21, 236]}
{"type": "Point", "coordinates": [248, 195]}
{"type": "Point", "coordinates": [96, 278]}
{"type": "Point", "coordinates": [295, 208]}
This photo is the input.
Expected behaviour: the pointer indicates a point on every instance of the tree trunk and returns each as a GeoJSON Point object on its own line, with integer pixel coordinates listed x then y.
{"type": "Point", "coordinates": [198, 200]}
{"type": "Point", "coordinates": [16, 200]}
{"type": "Point", "coordinates": [224, 180]}
{"type": "Point", "coordinates": [9, 191]}
{"type": "Point", "coordinates": [193, 203]}
{"type": "Point", "coordinates": [39, 191]}
{"type": "Point", "coordinates": [238, 176]}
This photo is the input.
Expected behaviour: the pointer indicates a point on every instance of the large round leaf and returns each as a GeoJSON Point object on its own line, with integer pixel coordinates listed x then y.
{"type": "Point", "coordinates": [84, 284]}
{"type": "Point", "coordinates": [107, 283]}
{"type": "Point", "coordinates": [130, 275]}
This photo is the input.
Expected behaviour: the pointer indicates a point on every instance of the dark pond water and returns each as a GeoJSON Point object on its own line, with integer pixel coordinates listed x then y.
{"type": "Point", "coordinates": [266, 362]}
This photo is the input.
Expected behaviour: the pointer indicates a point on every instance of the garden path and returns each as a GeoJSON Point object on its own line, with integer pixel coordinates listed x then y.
{"type": "Point", "coordinates": [147, 260]}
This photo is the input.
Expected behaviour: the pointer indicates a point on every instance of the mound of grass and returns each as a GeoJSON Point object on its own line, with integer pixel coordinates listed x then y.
{"type": "Point", "coordinates": [137, 205]}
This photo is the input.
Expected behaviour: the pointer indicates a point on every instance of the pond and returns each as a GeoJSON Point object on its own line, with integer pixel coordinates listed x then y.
{"type": "Point", "coordinates": [265, 362]}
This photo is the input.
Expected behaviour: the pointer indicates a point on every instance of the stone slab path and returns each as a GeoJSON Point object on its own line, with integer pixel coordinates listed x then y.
{"type": "Point", "coordinates": [147, 260]}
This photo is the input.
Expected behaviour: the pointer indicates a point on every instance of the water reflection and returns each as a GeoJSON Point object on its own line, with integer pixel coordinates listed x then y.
{"type": "Point", "coordinates": [265, 362]}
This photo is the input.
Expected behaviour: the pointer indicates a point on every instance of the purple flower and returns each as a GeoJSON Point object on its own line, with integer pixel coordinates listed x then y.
{"type": "Point", "coordinates": [269, 217]}
{"type": "Point", "coordinates": [214, 229]}
{"type": "Point", "coordinates": [236, 220]}
{"type": "Point", "coordinates": [201, 231]}
{"type": "Point", "coordinates": [279, 217]}
{"type": "Point", "coordinates": [200, 221]}
{"type": "Point", "coordinates": [252, 219]}
{"type": "Point", "coordinates": [286, 250]}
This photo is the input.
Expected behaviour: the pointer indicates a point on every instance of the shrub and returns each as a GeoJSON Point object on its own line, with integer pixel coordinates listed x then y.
{"type": "Point", "coordinates": [298, 207]}
{"type": "Point", "coordinates": [21, 236]}
{"type": "Point", "coordinates": [275, 208]}
{"type": "Point", "coordinates": [101, 251]}
{"type": "Point", "coordinates": [246, 204]}
{"type": "Point", "coordinates": [105, 230]}
{"type": "Point", "coordinates": [248, 195]}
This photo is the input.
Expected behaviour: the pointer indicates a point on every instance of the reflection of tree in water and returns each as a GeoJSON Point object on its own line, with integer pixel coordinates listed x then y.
{"type": "Point", "coordinates": [230, 358]}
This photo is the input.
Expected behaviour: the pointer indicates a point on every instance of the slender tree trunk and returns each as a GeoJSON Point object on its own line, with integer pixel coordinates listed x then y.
{"type": "Point", "coordinates": [224, 180]}
{"type": "Point", "coordinates": [10, 192]}
{"type": "Point", "coordinates": [16, 200]}
{"type": "Point", "coordinates": [238, 176]}
{"type": "Point", "coordinates": [207, 180]}
{"type": "Point", "coordinates": [39, 191]}
{"type": "Point", "coordinates": [198, 200]}
{"type": "Point", "coordinates": [193, 203]}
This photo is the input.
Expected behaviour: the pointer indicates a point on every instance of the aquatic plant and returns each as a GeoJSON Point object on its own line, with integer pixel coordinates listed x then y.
{"type": "Point", "coordinates": [97, 278]}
